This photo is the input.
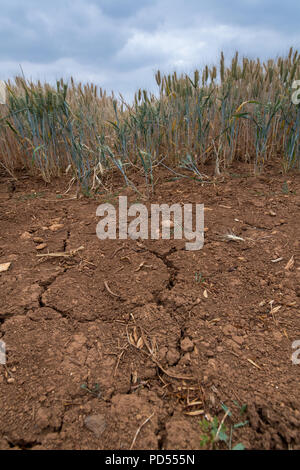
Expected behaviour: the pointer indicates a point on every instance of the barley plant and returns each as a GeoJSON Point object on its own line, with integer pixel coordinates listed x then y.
{"type": "Point", "coordinates": [238, 111]}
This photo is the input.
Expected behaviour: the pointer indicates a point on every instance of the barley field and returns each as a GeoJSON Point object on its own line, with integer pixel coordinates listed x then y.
{"type": "Point", "coordinates": [243, 111]}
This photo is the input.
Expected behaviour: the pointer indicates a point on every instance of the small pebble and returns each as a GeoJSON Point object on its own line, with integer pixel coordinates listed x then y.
{"type": "Point", "coordinates": [55, 227]}
{"type": "Point", "coordinates": [38, 240]}
{"type": "Point", "coordinates": [41, 246]}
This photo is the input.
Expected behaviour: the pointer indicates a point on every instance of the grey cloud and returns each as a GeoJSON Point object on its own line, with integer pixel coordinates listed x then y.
{"type": "Point", "coordinates": [123, 9]}
{"type": "Point", "coordinates": [120, 43]}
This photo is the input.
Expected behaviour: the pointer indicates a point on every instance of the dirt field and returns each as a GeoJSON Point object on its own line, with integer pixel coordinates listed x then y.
{"type": "Point", "coordinates": [121, 331]}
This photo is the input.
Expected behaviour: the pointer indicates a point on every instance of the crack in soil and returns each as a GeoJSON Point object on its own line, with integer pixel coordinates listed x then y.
{"type": "Point", "coordinates": [23, 444]}
{"type": "Point", "coordinates": [172, 269]}
{"type": "Point", "coordinates": [5, 316]}
{"type": "Point", "coordinates": [66, 240]}
{"type": "Point", "coordinates": [161, 434]}
{"type": "Point", "coordinates": [45, 285]}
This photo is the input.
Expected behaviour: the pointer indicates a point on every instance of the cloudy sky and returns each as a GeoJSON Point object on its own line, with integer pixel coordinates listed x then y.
{"type": "Point", "coordinates": [119, 44]}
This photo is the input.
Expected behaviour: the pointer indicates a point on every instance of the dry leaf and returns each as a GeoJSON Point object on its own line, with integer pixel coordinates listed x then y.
{"type": "Point", "coordinates": [274, 310]}
{"type": "Point", "coordinates": [140, 343]}
{"type": "Point", "coordinates": [205, 294]}
{"type": "Point", "coordinates": [194, 413]}
{"type": "Point", "coordinates": [135, 335]}
{"type": "Point", "coordinates": [2, 92]}
{"type": "Point", "coordinates": [134, 377]}
{"type": "Point", "coordinates": [131, 339]}
{"type": "Point", "coordinates": [290, 263]}
{"type": "Point", "coordinates": [193, 403]}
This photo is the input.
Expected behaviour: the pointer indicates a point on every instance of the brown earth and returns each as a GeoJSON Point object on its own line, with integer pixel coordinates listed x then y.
{"type": "Point", "coordinates": [122, 331]}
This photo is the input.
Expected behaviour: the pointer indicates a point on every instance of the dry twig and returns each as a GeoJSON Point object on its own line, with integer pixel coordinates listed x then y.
{"type": "Point", "coordinates": [139, 429]}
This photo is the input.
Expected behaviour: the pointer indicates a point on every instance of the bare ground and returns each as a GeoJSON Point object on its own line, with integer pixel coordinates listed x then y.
{"type": "Point", "coordinates": [120, 331]}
